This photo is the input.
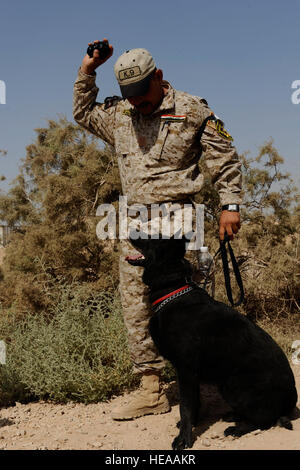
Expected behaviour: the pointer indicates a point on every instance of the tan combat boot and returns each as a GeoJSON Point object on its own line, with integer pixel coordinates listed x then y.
{"type": "Point", "coordinates": [148, 399]}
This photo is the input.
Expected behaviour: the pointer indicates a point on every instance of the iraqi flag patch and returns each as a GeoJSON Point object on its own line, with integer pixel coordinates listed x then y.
{"type": "Point", "coordinates": [173, 117]}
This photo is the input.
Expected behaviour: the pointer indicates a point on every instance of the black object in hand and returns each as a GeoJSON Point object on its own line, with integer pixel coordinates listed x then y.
{"type": "Point", "coordinates": [102, 47]}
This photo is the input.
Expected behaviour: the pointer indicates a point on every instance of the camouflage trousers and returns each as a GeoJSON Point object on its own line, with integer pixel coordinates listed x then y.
{"type": "Point", "coordinates": [137, 310]}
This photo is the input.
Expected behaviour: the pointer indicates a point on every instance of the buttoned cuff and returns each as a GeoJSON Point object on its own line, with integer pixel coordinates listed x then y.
{"type": "Point", "coordinates": [83, 75]}
{"type": "Point", "coordinates": [233, 198]}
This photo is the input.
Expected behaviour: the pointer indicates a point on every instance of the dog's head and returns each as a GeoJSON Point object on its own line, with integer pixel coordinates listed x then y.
{"type": "Point", "coordinates": [158, 255]}
{"type": "Point", "coordinates": [158, 250]}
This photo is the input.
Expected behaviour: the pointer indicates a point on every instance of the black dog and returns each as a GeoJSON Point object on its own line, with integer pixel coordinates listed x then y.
{"type": "Point", "coordinates": [208, 341]}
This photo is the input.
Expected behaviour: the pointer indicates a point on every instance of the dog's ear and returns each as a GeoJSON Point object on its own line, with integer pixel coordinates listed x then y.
{"type": "Point", "coordinates": [177, 235]}
{"type": "Point", "coordinates": [135, 235]}
{"type": "Point", "coordinates": [138, 239]}
{"type": "Point", "coordinates": [188, 236]}
{"type": "Point", "coordinates": [181, 237]}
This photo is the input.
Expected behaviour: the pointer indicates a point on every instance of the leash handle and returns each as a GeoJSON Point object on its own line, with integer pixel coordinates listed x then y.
{"type": "Point", "coordinates": [226, 271]}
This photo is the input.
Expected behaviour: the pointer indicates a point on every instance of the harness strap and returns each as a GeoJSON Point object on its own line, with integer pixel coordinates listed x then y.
{"type": "Point", "coordinates": [169, 297]}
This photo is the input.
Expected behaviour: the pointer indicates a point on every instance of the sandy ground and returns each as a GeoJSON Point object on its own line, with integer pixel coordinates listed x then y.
{"type": "Point", "coordinates": [43, 426]}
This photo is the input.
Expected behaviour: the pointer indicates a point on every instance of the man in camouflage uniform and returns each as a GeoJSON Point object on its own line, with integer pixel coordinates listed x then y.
{"type": "Point", "coordinates": [158, 134]}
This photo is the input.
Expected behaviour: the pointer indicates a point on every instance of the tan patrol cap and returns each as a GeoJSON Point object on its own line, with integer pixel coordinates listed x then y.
{"type": "Point", "coordinates": [133, 72]}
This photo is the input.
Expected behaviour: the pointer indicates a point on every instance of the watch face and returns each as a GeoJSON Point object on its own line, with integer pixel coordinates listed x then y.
{"type": "Point", "coordinates": [231, 207]}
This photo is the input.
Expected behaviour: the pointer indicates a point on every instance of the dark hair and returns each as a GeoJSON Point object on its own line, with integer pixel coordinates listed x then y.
{"type": "Point", "coordinates": [151, 75]}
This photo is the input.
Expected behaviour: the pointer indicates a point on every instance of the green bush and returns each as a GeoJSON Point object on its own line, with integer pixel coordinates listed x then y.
{"type": "Point", "coordinates": [79, 353]}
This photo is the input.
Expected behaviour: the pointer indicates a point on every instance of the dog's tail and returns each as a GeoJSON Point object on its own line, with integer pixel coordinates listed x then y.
{"type": "Point", "coordinates": [285, 422]}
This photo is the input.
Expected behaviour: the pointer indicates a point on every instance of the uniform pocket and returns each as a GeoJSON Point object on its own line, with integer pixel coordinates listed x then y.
{"type": "Point", "coordinates": [174, 142]}
{"type": "Point", "coordinates": [124, 161]}
{"type": "Point", "coordinates": [161, 141]}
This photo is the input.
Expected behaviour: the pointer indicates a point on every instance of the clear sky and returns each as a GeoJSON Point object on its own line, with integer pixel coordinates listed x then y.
{"type": "Point", "coordinates": [241, 55]}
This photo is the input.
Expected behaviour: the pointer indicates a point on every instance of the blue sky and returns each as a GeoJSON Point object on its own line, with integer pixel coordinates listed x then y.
{"type": "Point", "coordinates": [242, 56]}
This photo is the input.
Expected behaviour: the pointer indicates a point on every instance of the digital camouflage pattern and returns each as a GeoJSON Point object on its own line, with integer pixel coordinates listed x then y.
{"type": "Point", "coordinates": [158, 162]}
{"type": "Point", "coordinates": [158, 158]}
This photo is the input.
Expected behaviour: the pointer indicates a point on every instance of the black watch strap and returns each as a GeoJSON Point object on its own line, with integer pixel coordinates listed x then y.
{"type": "Point", "coordinates": [231, 207]}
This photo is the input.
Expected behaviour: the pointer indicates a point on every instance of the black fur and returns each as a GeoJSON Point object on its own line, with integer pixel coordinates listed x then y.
{"type": "Point", "coordinates": [208, 341]}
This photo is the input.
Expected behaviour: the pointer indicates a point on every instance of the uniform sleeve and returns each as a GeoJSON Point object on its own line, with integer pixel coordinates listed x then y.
{"type": "Point", "coordinates": [88, 113]}
{"type": "Point", "coordinates": [222, 161]}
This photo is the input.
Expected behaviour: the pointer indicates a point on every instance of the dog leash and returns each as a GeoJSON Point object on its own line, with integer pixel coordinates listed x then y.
{"type": "Point", "coordinates": [236, 271]}
{"type": "Point", "coordinates": [162, 301]}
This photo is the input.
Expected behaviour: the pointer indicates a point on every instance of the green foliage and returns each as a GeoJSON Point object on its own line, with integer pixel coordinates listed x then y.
{"type": "Point", "coordinates": [52, 208]}
{"type": "Point", "coordinates": [80, 353]}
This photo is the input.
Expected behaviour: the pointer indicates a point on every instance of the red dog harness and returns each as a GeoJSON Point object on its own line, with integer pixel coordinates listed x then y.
{"type": "Point", "coordinates": [162, 301]}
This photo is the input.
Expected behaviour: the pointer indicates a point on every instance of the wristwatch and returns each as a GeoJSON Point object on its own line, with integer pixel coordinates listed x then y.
{"type": "Point", "coordinates": [231, 208]}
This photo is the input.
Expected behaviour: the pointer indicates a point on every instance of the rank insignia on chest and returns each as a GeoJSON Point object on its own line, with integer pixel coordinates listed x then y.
{"type": "Point", "coordinates": [172, 118]}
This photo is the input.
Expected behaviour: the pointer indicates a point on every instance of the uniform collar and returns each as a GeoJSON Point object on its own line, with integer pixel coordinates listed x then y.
{"type": "Point", "coordinates": [168, 102]}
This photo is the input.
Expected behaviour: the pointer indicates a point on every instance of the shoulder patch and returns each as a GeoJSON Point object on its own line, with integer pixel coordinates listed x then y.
{"type": "Point", "coordinates": [216, 123]}
{"type": "Point", "coordinates": [131, 112]}
{"type": "Point", "coordinates": [222, 131]}
{"type": "Point", "coordinates": [204, 101]}
{"type": "Point", "coordinates": [111, 101]}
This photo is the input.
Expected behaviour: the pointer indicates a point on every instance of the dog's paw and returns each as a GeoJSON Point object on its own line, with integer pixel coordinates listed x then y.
{"type": "Point", "coordinates": [240, 429]}
{"type": "Point", "coordinates": [233, 431]}
{"type": "Point", "coordinates": [229, 417]}
{"type": "Point", "coordinates": [182, 442]}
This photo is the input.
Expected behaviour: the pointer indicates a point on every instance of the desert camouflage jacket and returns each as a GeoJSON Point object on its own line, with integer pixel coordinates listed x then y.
{"type": "Point", "coordinates": [158, 154]}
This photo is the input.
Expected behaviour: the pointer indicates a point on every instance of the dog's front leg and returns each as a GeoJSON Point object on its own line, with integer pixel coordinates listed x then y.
{"type": "Point", "coordinates": [189, 408]}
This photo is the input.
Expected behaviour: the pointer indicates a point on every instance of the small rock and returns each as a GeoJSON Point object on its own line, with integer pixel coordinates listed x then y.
{"type": "Point", "coordinates": [96, 444]}
{"type": "Point", "coordinates": [257, 431]}
{"type": "Point", "coordinates": [205, 442]}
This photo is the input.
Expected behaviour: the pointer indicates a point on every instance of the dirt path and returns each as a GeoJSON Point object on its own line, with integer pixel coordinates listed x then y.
{"type": "Point", "coordinates": [86, 427]}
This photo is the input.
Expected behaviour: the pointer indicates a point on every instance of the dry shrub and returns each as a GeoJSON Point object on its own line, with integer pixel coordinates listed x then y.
{"type": "Point", "coordinates": [77, 353]}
